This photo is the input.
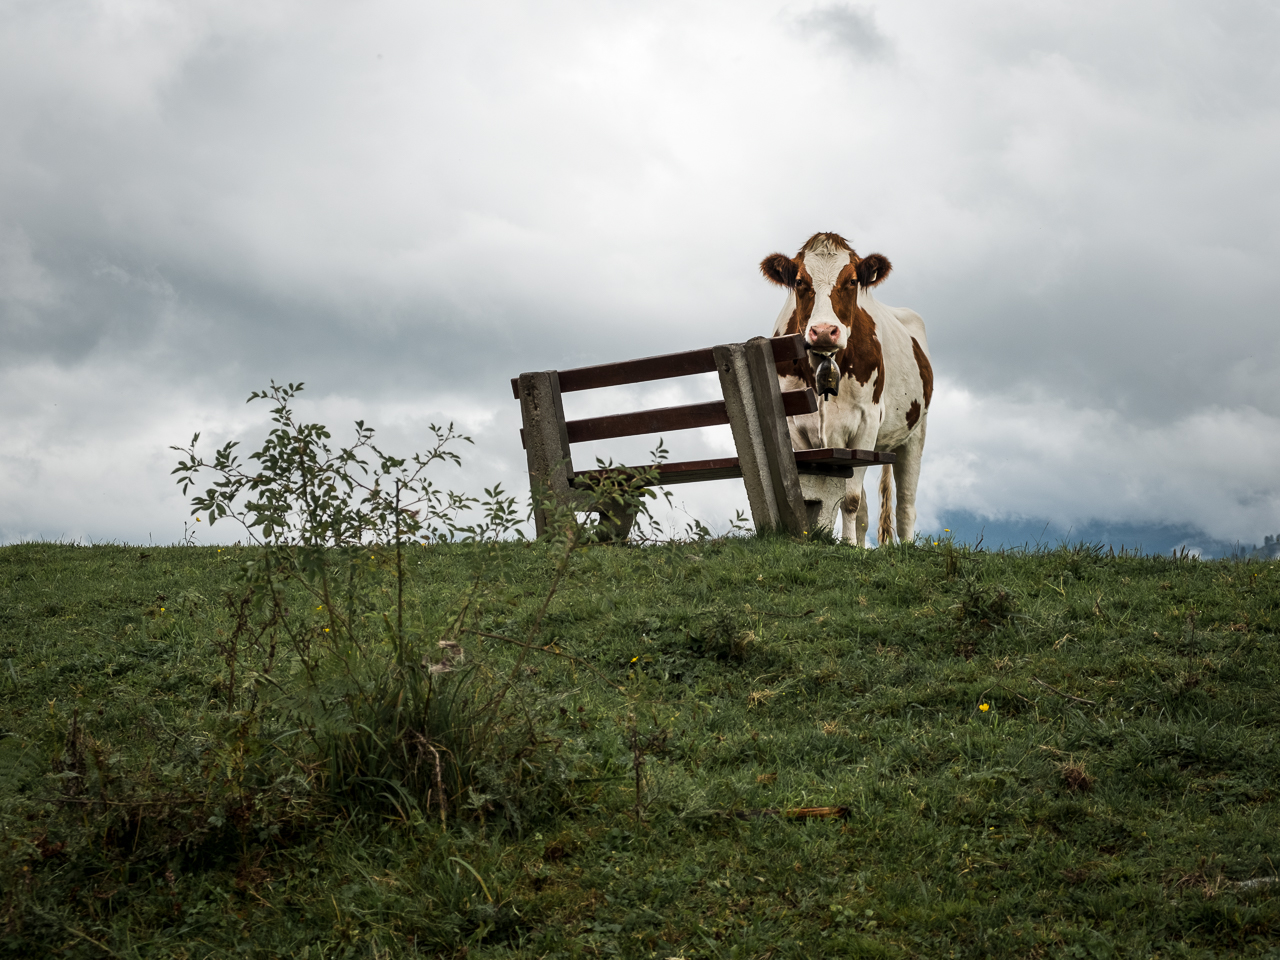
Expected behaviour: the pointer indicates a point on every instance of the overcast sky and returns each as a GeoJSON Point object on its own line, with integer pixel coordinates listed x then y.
{"type": "Point", "coordinates": [404, 204]}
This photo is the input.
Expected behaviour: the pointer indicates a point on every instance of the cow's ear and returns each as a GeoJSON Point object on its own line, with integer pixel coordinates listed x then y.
{"type": "Point", "coordinates": [780, 269]}
{"type": "Point", "coordinates": [873, 269]}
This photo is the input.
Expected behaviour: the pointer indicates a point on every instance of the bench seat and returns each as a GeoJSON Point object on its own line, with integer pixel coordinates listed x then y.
{"type": "Point", "coordinates": [831, 462]}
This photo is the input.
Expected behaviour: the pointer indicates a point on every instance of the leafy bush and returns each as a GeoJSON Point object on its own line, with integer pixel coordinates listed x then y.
{"type": "Point", "coordinates": [383, 700]}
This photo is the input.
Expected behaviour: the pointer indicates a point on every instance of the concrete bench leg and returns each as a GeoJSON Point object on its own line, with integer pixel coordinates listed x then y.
{"type": "Point", "coordinates": [546, 442]}
{"type": "Point", "coordinates": [822, 499]}
{"type": "Point", "coordinates": [616, 523]}
{"type": "Point", "coordinates": [749, 381]}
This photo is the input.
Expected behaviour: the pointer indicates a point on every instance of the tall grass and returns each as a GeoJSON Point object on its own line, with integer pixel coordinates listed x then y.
{"type": "Point", "coordinates": [1116, 796]}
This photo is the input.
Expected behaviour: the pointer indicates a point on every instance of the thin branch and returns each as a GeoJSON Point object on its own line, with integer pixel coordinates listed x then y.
{"type": "Point", "coordinates": [1061, 694]}
{"type": "Point", "coordinates": [1008, 690]}
{"type": "Point", "coordinates": [796, 813]}
{"type": "Point", "coordinates": [781, 616]}
{"type": "Point", "coordinates": [561, 568]}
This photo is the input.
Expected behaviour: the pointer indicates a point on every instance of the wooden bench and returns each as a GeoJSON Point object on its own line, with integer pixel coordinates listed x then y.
{"type": "Point", "coordinates": [791, 490]}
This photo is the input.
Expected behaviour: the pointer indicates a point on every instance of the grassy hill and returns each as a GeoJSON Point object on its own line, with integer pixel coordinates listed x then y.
{"type": "Point", "coordinates": [1060, 753]}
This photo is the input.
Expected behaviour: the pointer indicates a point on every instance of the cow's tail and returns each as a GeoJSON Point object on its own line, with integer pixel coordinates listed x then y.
{"type": "Point", "coordinates": [885, 533]}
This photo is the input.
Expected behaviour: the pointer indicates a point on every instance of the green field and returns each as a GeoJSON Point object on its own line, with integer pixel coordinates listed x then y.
{"type": "Point", "coordinates": [1042, 753]}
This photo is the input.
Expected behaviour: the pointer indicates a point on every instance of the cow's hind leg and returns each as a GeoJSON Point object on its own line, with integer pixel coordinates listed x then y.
{"type": "Point", "coordinates": [906, 474]}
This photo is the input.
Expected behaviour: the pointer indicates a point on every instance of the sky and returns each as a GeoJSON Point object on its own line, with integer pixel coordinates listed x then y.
{"type": "Point", "coordinates": [404, 204]}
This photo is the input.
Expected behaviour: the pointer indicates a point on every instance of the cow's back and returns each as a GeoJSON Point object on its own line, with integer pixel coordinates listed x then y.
{"type": "Point", "coordinates": [913, 322]}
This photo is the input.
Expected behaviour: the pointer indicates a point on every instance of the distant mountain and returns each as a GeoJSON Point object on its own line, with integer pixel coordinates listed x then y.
{"type": "Point", "coordinates": [1147, 538]}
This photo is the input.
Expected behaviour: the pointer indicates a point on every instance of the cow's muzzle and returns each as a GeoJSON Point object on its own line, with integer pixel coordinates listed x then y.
{"type": "Point", "coordinates": [823, 336]}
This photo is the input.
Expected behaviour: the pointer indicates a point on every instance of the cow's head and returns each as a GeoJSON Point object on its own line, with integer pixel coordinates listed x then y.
{"type": "Point", "coordinates": [825, 276]}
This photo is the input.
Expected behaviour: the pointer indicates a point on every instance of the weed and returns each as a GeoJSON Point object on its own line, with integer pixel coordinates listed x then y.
{"type": "Point", "coordinates": [361, 677]}
{"type": "Point", "coordinates": [984, 605]}
{"type": "Point", "coordinates": [1075, 777]}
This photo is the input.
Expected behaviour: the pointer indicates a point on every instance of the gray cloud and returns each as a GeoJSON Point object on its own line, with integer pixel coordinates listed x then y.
{"type": "Point", "coordinates": [849, 27]}
{"type": "Point", "coordinates": [404, 207]}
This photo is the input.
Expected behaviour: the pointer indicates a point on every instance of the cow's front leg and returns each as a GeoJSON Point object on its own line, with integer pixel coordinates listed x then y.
{"type": "Point", "coordinates": [805, 430]}
{"type": "Point", "coordinates": [906, 474]}
{"type": "Point", "coordinates": [854, 508]}
{"type": "Point", "coordinates": [861, 436]}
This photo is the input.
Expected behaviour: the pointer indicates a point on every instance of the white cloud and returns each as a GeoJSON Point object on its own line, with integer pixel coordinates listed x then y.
{"type": "Point", "coordinates": [1005, 458]}
{"type": "Point", "coordinates": [407, 204]}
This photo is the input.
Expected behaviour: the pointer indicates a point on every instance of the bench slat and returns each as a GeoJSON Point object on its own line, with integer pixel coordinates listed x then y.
{"type": "Point", "coordinates": [695, 471]}
{"type": "Point", "coordinates": [661, 420]}
{"type": "Point", "coordinates": [829, 461]}
{"type": "Point", "coordinates": [659, 368]}
{"type": "Point", "coordinates": [840, 456]}
{"type": "Point", "coordinates": [667, 419]}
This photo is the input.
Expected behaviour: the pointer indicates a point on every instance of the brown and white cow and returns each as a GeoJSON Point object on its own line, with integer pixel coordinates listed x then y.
{"type": "Point", "coordinates": [884, 382]}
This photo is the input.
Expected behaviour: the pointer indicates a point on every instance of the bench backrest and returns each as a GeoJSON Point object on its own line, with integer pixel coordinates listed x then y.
{"type": "Point", "coordinates": [754, 407]}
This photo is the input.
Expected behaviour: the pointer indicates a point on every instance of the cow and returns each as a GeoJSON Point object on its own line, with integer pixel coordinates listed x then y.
{"type": "Point", "coordinates": [870, 363]}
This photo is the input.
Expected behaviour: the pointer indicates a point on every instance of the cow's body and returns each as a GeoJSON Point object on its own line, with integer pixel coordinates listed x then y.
{"type": "Point", "coordinates": [885, 377]}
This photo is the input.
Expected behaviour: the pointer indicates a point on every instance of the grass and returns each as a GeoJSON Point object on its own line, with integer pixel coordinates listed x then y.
{"type": "Point", "coordinates": [1116, 797]}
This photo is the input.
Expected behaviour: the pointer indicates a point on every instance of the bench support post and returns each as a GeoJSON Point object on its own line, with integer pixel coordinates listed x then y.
{"type": "Point", "coordinates": [822, 498]}
{"type": "Point", "coordinates": [546, 441]}
{"type": "Point", "coordinates": [749, 381]}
